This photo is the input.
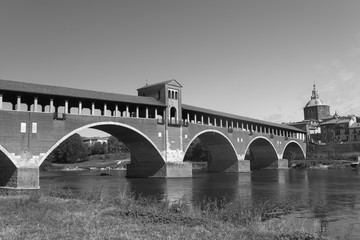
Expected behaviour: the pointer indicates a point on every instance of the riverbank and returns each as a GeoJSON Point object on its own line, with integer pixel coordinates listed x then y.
{"type": "Point", "coordinates": [94, 164]}
{"type": "Point", "coordinates": [323, 164]}
{"type": "Point", "coordinates": [63, 215]}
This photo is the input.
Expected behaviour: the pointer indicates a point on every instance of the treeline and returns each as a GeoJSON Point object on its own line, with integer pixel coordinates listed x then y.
{"type": "Point", "coordinates": [74, 149]}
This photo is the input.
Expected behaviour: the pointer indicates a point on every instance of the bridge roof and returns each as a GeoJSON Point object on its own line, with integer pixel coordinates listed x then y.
{"type": "Point", "coordinates": [240, 118]}
{"type": "Point", "coordinates": [33, 88]}
{"type": "Point", "coordinates": [167, 82]}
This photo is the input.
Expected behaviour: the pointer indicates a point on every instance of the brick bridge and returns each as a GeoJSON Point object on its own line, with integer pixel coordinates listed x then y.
{"type": "Point", "coordinates": [155, 125]}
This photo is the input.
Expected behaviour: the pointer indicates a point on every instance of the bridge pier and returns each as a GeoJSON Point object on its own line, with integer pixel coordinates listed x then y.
{"type": "Point", "coordinates": [237, 167]}
{"type": "Point", "coordinates": [279, 164]}
{"type": "Point", "coordinates": [20, 178]}
{"type": "Point", "coordinates": [143, 169]}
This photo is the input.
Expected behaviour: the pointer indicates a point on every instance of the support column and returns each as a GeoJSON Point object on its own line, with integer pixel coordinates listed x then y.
{"type": "Point", "coordinates": [195, 118]}
{"type": "Point", "coordinates": [105, 109]}
{"type": "Point", "coordinates": [36, 100]}
{"type": "Point", "coordinates": [156, 113]}
{"type": "Point", "coordinates": [137, 112]}
{"type": "Point", "coordinates": [18, 103]}
{"type": "Point", "coordinates": [116, 110]}
{"type": "Point", "coordinates": [80, 108]}
{"type": "Point", "coordinates": [1, 101]}
{"type": "Point", "coordinates": [202, 119]}
{"type": "Point", "coordinates": [92, 108]}
{"type": "Point", "coordinates": [51, 106]}
{"type": "Point", "coordinates": [147, 112]}
{"type": "Point", "coordinates": [66, 109]}
{"type": "Point", "coordinates": [127, 111]}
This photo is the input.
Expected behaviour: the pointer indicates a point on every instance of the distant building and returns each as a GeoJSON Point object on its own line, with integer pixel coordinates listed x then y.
{"type": "Point", "coordinates": [316, 109]}
{"type": "Point", "coordinates": [321, 127]}
{"type": "Point", "coordinates": [337, 129]}
{"type": "Point", "coordinates": [92, 140]}
{"type": "Point", "coordinates": [354, 131]}
{"type": "Point", "coordinates": [314, 113]}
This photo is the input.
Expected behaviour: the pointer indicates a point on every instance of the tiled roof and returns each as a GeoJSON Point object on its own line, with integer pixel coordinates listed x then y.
{"type": "Point", "coordinates": [336, 121]}
{"type": "Point", "coordinates": [32, 88]}
{"type": "Point", "coordinates": [355, 125]}
{"type": "Point", "coordinates": [240, 118]}
{"type": "Point", "coordinates": [161, 83]}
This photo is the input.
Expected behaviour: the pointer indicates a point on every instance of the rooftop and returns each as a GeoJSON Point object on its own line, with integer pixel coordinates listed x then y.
{"type": "Point", "coordinates": [75, 93]}
{"type": "Point", "coordinates": [240, 118]}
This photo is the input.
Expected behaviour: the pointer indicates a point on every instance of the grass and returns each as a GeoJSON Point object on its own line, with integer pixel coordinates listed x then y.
{"type": "Point", "coordinates": [64, 215]}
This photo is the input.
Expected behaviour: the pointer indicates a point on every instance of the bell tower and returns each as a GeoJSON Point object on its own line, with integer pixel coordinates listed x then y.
{"type": "Point", "coordinates": [168, 92]}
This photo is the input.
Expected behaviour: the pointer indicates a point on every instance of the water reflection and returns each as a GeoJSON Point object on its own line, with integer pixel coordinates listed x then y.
{"type": "Point", "coordinates": [335, 192]}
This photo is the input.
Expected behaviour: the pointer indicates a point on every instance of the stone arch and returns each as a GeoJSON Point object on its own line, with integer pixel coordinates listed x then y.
{"type": "Point", "coordinates": [143, 149]}
{"type": "Point", "coordinates": [223, 155]}
{"type": "Point", "coordinates": [7, 167]}
{"type": "Point", "coordinates": [261, 152]}
{"type": "Point", "coordinates": [293, 151]}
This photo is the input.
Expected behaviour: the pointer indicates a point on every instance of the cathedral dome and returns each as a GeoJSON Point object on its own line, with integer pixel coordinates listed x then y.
{"type": "Point", "coordinates": [316, 109]}
{"type": "Point", "coordinates": [315, 100]}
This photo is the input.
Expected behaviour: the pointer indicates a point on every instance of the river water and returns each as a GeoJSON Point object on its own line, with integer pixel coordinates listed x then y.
{"type": "Point", "coordinates": [338, 190]}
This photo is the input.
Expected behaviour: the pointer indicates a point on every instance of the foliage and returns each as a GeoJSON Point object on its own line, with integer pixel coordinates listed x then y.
{"type": "Point", "coordinates": [70, 151]}
{"type": "Point", "coordinates": [115, 146]}
{"type": "Point", "coordinates": [197, 152]}
{"type": "Point", "coordinates": [98, 148]}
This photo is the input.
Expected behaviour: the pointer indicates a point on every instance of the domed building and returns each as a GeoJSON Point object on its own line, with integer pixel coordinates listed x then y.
{"type": "Point", "coordinates": [316, 109]}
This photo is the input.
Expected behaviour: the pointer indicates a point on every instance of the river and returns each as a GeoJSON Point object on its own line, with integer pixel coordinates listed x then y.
{"type": "Point", "coordinates": [339, 189]}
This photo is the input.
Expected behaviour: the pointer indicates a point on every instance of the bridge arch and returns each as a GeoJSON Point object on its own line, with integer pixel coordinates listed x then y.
{"type": "Point", "coordinates": [223, 154]}
{"type": "Point", "coordinates": [293, 151]}
{"type": "Point", "coordinates": [261, 152]}
{"type": "Point", "coordinates": [7, 166]}
{"type": "Point", "coordinates": [142, 148]}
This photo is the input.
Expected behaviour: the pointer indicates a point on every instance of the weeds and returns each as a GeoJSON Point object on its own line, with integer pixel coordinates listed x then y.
{"type": "Point", "coordinates": [63, 214]}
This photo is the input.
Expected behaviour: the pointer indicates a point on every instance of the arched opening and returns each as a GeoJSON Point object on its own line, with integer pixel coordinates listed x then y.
{"type": "Point", "coordinates": [146, 159]}
{"type": "Point", "coordinates": [261, 153]}
{"type": "Point", "coordinates": [7, 170]}
{"type": "Point", "coordinates": [215, 149]}
{"type": "Point", "coordinates": [173, 115]}
{"type": "Point", "coordinates": [293, 151]}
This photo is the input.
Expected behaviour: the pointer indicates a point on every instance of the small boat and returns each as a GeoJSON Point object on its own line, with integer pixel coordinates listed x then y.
{"type": "Point", "coordinates": [354, 164]}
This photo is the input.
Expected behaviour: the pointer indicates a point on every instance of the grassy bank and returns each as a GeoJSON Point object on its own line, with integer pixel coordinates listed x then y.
{"type": "Point", "coordinates": [63, 215]}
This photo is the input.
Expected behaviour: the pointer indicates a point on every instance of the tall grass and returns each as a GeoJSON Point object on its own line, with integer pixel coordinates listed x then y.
{"type": "Point", "coordinates": [65, 215]}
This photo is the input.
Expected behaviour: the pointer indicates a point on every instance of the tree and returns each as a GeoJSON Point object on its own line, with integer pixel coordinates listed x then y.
{"type": "Point", "coordinates": [98, 148]}
{"type": "Point", "coordinates": [115, 146]}
{"type": "Point", "coordinates": [197, 151]}
{"type": "Point", "coordinates": [71, 150]}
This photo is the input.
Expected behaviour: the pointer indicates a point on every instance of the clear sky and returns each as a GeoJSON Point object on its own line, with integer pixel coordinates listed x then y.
{"type": "Point", "coordinates": [254, 58]}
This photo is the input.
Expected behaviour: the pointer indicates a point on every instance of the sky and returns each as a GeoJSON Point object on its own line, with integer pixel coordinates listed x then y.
{"type": "Point", "coordinates": [255, 58]}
